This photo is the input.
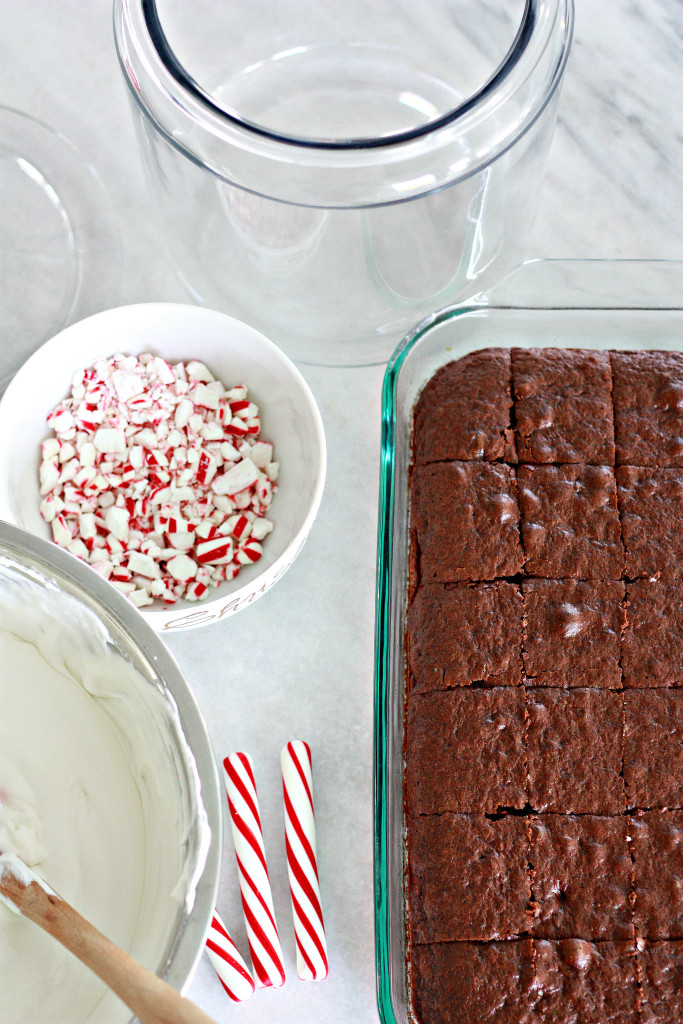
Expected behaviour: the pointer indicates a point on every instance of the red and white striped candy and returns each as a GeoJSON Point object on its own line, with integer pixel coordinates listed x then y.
{"type": "Point", "coordinates": [297, 786]}
{"type": "Point", "coordinates": [145, 450]}
{"type": "Point", "coordinates": [257, 900]}
{"type": "Point", "coordinates": [231, 969]}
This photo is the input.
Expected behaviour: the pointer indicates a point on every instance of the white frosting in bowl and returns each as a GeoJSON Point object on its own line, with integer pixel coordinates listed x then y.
{"type": "Point", "coordinates": [98, 797]}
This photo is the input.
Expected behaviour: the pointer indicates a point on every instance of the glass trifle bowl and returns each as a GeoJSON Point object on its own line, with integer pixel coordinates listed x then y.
{"type": "Point", "coordinates": [332, 175]}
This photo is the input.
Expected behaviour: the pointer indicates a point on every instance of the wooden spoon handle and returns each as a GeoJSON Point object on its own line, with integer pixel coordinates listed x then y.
{"type": "Point", "coordinates": [151, 999]}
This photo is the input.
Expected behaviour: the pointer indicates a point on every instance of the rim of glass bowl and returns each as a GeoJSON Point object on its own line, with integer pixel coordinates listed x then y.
{"type": "Point", "coordinates": [138, 643]}
{"type": "Point", "coordinates": [346, 172]}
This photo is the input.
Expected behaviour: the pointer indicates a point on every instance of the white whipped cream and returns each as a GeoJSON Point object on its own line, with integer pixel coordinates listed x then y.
{"type": "Point", "coordinates": [92, 800]}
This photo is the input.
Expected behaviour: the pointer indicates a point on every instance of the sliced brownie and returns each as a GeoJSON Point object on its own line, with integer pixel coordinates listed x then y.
{"type": "Point", "coordinates": [647, 391]}
{"type": "Point", "coordinates": [468, 878]}
{"type": "Point", "coordinates": [650, 505]}
{"type": "Point", "coordinates": [570, 522]}
{"type": "Point", "coordinates": [465, 750]}
{"type": "Point", "coordinates": [581, 870]}
{"type": "Point", "coordinates": [563, 406]}
{"type": "Point", "coordinates": [572, 632]}
{"type": "Point", "coordinates": [464, 411]}
{"type": "Point", "coordinates": [466, 521]}
{"type": "Point", "coordinates": [653, 748]}
{"type": "Point", "coordinates": [574, 751]}
{"type": "Point", "coordinates": [657, 846]}
{"type": "Point", "coordinates": [459, 635]}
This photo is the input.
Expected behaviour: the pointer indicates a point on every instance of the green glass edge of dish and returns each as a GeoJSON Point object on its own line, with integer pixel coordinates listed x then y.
{"type": "Point", "coordinates": [621, 267]}
{"type": "Point", "coordinates": [382, 635]}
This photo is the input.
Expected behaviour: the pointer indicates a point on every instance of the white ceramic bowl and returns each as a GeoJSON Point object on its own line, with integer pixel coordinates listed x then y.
{"type": "Point", "coordinates": [235, 353]}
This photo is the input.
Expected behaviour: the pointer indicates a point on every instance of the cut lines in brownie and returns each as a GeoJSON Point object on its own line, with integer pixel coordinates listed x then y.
{"type": "Point", "coordinates": [593, 770]}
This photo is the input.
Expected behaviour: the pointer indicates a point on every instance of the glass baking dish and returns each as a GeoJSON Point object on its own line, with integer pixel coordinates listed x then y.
{"type": "Point", "coordinates": [623, 304]}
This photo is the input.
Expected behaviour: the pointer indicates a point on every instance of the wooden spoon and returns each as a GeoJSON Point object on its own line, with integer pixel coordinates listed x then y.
{"type": "Point", "coordinates": [152, 1000]}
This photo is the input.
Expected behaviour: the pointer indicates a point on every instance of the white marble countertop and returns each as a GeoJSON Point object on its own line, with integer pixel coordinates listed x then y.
{"type": "Point", "coordinates": [299, 662]}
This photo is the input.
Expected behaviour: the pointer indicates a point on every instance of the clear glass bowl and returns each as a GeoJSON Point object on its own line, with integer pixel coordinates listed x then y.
{"type": "Point", "coordinates": [559, 303]}
{"type": "Point", "coordinates": [60, 249]}
{"type": "Point", "coordinates": [331, 174]}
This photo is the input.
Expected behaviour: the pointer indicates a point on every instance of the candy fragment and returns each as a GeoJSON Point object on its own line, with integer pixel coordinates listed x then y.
{"type": "Point", "coordinates": [231, 969]}
{"type": "Point", "coordinates": [302, 866]}
{"type": "Point", "coordinates": [155, 476]}
{"type": "Point", "coordinates": [257, 900]}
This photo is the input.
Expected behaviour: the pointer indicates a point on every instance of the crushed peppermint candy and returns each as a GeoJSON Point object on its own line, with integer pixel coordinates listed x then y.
{"type": "Point", "coordinates": [156, 476]}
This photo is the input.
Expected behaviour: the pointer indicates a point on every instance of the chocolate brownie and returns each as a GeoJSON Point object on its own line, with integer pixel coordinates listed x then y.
{"type": "Point", "coordinates": [462, 982]}
{"type": "Point", "coordinates": [581, 870]}
{"type": "Point", "coordinates": [652, 644]}
{"type": "Point", "coordinates": [661, 982]}
{"type": "Point", "coordinates": [574, 750]}
{"type": "Point", "coordinates": [465, 750]}
{"type": "Point", "coordinates": [650, 506]}
{"type": "Point", "coordinates": [463, 635]}
{"type": "Point", "coordinates": [464, 411]}
{"type": "Point", "coordinates": [466, 521]}
{"type": "Point", "coordinates": [572, 632]}
{"type": "Point", "coordinates": [563, 406]}
{"type": "Point", "coordinates": [657, 848]}
{"type": "Point", "coordinates": [647, 392]}
{"type": "Point", "coordinates": [653, 748]}
{"type": "Point", "coordinates": [467, 877]}
{"type": "Point", "coordinates": [580, 982]}
{"type": "Point", "coordinates": [570, 522]}
{"type": "Point", "coordinates": [544, 716]}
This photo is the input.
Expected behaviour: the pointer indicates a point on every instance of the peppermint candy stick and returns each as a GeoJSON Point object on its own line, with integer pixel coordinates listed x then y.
{"type": "Point", "coordinates": [231, 969]}
{"type": "Point", "coordinates": [297, 785]}
{"type": "Point", "coordinates": [257, 900]}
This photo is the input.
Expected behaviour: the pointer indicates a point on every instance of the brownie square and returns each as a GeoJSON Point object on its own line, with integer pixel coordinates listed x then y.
{"type": "Point", "coordinates": [647, 392]}
{"type": "Point", "coordinates": [657, 847]}
{"type": "Point", "coordinates": [466, 520]}
{"type": "Point", "coordinates": [574, 748]}
{"type": "Point", "coordinates": [653, 748]}
{"type": "Point", "coordinates": [572, 632]}
{"type": "Point", "coordinates": [464, 411]}
{"type": "Point", "coordinates": [570, 522]}
{"type": "Point", "coordinates": [463, 635]}
{"type": "Point", "coordinates": [563, 406]}
{"type": "Point", "coordinates": [581, 870]}
{"type": "Point", "coordinates": [462, 982]}
{"type": "Point", "coordinates": [468, 878]}
{"type": "Point", "coordinates": [661, 982]}
{"type": "Point", "coordinates": [580, 982]}
{"type": "Point", "coordinates": [465, 751]}
{"type": "Point", "coordinates": [651, 509]}
{"type": "Point", "coordinates": [652, 644]}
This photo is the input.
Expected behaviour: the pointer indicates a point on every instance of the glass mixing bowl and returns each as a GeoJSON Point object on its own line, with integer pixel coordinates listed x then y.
{"type": "Point", "coordinates": [35, 573]}
{"type": "Point", "coordinates": [331, 174]}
